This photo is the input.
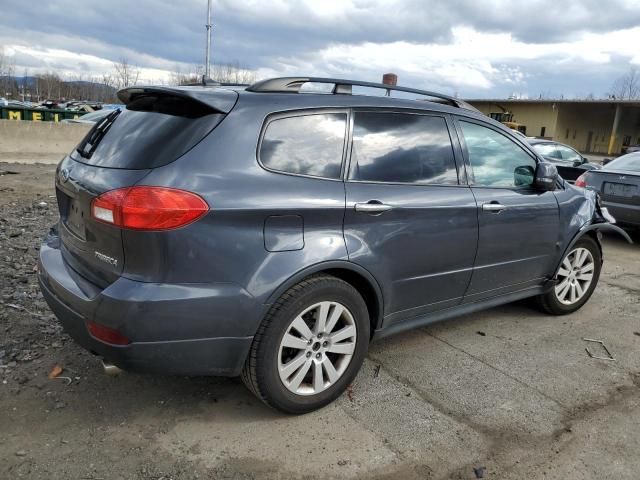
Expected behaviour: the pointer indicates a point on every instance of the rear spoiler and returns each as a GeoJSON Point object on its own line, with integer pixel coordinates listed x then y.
{"type": "Point", "coordinates": [219, 99]}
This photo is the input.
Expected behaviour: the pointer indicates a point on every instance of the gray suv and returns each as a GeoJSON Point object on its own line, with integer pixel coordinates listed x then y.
{"type": "Point", "coordinates": [273, 231]}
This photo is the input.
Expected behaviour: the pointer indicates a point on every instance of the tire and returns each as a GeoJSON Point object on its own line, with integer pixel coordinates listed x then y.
{"type": "Point", "coordinates": [557, 301]}
{"type": "Point", "coordinates": [269, 369]}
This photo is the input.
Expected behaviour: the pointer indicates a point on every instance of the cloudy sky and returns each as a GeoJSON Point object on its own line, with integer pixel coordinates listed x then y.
{"type": "Point", "coordinates": [474, 48]}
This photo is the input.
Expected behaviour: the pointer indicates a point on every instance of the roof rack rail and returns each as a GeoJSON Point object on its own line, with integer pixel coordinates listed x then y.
{"type": "Point", "coordinates": [345, 87]}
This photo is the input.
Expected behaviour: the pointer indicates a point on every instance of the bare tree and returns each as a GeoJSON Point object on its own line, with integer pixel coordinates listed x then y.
{"type": "Point", "coordinates": [50, 85]}
{"type": "Point", "coordinates": [627, 87]}
{"type": "Point", "coordinates": [233, 72]}
{"type": "Point", "coordinates": [8, 83]}
{"type": "Point", "coordinates": [179, 77]}
{"type": "Point", "coordinates": [125, 74]}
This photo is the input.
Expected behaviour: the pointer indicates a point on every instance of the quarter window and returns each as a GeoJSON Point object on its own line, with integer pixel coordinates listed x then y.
{"type": "Point", "coordinates": [495, 160]}
{"type": "Point", "coordinates": [305, 144]}
{"type": "Point", "coordinates": [402, 148]}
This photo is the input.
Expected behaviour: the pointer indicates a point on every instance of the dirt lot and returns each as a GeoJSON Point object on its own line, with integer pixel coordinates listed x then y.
{"type": "Point", "coordinates": [509, 392]}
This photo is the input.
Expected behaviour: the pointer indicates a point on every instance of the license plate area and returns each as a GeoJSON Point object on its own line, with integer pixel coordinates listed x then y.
{"type": "Point", "coordinates": [74, 218]}
{"type": "Point", "coordinates": [619, 189]}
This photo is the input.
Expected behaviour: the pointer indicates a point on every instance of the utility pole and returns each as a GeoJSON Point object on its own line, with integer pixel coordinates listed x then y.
{"type": "Point", "coordinates": [207, 63]}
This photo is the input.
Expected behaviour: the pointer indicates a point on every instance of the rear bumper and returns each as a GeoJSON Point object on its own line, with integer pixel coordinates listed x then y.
{"type": "Point", "coordinates": [623, 213]}
{"type": "Point", "coordinates": [190, 329]}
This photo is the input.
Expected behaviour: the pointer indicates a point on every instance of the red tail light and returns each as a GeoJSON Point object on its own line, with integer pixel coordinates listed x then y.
{"type": "Point", "coordinates": [581, 181]}
{"type": "Point", "coordinates": [148, 208]}
{"type": "Point", "coordinates": [106, 334]}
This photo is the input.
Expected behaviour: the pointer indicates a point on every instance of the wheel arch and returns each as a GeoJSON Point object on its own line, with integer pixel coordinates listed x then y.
{"type": "Point", "coordinates": [358, 277]}
{"type": "Point", "coordinates": [593, 230]}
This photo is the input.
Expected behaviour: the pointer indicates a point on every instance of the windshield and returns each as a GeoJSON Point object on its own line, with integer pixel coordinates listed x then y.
{"type": "Point", "coordinates": [629, 162]}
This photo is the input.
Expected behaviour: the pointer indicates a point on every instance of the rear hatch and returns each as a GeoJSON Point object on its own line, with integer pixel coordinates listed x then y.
{"type": "Point", "coordinates": [155, 126]}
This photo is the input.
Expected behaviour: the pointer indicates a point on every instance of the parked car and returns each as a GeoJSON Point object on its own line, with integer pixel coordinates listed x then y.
{"type": "Point", "coordinates": [630, 149]}
{"type": "Point", "coordinates": [618, 184]}
{"type": "Point", "coordinates": [569, 162]}
{"type": "Point", "coordinates": [272, 234]}
{"type": "Point", "coordinates": [91, 117]}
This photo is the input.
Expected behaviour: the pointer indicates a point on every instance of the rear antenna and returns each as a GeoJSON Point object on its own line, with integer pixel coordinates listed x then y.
{"type": "Point", "coordinates": [207, 60]}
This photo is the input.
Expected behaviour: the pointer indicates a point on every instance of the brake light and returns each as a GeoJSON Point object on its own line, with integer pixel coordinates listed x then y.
{"type": "Point", "coordinates": [581, 180]}
{"type": "Point", "coordinates": [148, 208]}
{"type": "Point", "coordinates": [106, 334]}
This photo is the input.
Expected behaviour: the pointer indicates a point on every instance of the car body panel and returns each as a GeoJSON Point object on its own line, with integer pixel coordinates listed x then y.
{"type": "Point", "coordinates": [516, 246]}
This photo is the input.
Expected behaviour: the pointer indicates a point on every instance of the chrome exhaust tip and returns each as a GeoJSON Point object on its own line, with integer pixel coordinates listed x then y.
{"type": "Point", "coordinates": [110, 369]}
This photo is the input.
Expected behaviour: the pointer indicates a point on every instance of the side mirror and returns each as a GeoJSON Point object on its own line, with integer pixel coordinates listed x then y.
{"type": "Point", "coordinates": [546, 177]}
{"type": "Point", "coordinates": [577, 163]}
{"type": "Point", "coordinates": [605, 161]}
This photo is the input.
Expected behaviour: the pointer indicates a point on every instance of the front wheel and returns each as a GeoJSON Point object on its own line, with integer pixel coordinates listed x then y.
{"type": "Point", "coordinates": [577, 278]}
{"type": "Point", "coordinates": [310, 346]}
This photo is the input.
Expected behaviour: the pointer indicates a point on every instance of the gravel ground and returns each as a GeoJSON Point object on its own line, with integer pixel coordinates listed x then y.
{"type": "Point", "coordinates": [507, 393]}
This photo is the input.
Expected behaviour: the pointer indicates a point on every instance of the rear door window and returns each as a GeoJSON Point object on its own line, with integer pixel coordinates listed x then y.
{"type": "Point", "coordinates": [402, 148]}
{"type": "Point", "coordinates": [311, 144]}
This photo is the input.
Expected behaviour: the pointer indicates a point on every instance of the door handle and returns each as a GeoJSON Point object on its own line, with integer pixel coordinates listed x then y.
{"type": "Point", "coordinates": [372, 206]}
{"type": "Point", "coordinates": [493, 207]}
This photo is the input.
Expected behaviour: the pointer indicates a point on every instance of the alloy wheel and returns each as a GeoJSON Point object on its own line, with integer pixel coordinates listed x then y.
{"type": "Point", "coordinates": [575, 276]}
{"type": "Point", "coordinates": [317, 348]}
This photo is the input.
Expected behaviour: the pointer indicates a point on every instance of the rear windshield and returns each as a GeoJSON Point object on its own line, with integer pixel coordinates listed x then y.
{"type": "Point", "coordinates": [630, 162]}
{"type": "Point", "coordinates": [151, 131]}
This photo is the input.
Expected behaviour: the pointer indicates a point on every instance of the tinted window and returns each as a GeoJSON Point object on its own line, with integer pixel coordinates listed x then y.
{"type": "Point", "coordinates": [496, 161]}
{"type": "Point", "coordinates": [151, 131]}
{"type": "Point", "coordinates": [305, 144]}
{"type": "Point", "coordinates": [402, 148]}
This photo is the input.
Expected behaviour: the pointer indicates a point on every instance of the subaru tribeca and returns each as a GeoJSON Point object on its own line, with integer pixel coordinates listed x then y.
{"type": "Point", "coordinates": [273, 231]}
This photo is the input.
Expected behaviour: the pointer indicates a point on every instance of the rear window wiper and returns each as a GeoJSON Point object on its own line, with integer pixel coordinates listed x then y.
{"type": "Point", "coordinates": [91, 141]}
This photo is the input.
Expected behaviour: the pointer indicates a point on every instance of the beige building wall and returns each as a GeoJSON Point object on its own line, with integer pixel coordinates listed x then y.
{"type": "Point", "coordinates": [534, 116]}
{"type": "Point", "coordinates": [585, 126]}
{"type": "Point", "coordinates": [578, 123]}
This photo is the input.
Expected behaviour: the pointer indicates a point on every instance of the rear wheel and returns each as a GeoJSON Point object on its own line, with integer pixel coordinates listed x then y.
{"type": "Point", "coordinates": [310, 346]}
{"type": "Point", "coordinates": [577, 278]}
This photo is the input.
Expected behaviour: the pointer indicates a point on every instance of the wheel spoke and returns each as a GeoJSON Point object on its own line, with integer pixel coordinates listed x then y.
{"type": "Point", "coordinates": [335, 316]}
{"type": "Point", "coordinates": [342, 334]}
{"type": "Point", "coordinates": [582, 256]}
{"type": "Point", "coordinates": [579, 290]}
{"type": "Point", "coordinates": [563, 272]}
{"type": "Point", "coordinates": [302, 328]}
{"type": "Point", "coordinates": [562, 292]}
{"type": "Point", "coordinates": [332, 374]}
{"type": "Point", "coordinates": [288, 369]}
{"type": "Point", "coordinates": [322, 312]}
{"type": "Point", "coordinates": [342, 348]}
{"type": "Point", "coordinates": [573, 293]}
{"type": "Point", "coordinates": [299, 376]}
{"type": "Point", "coordinates": [318, 378]}
{"type": "Point", "coordinates": [585, 277]}
{"type": "Point", "coordinates": [587, 268]}
{"type": "Point", "coordinates": [294, 342]}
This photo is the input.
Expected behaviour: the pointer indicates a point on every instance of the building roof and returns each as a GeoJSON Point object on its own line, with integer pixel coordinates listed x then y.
{"type": "Point", "coordinates": [562, 100]}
